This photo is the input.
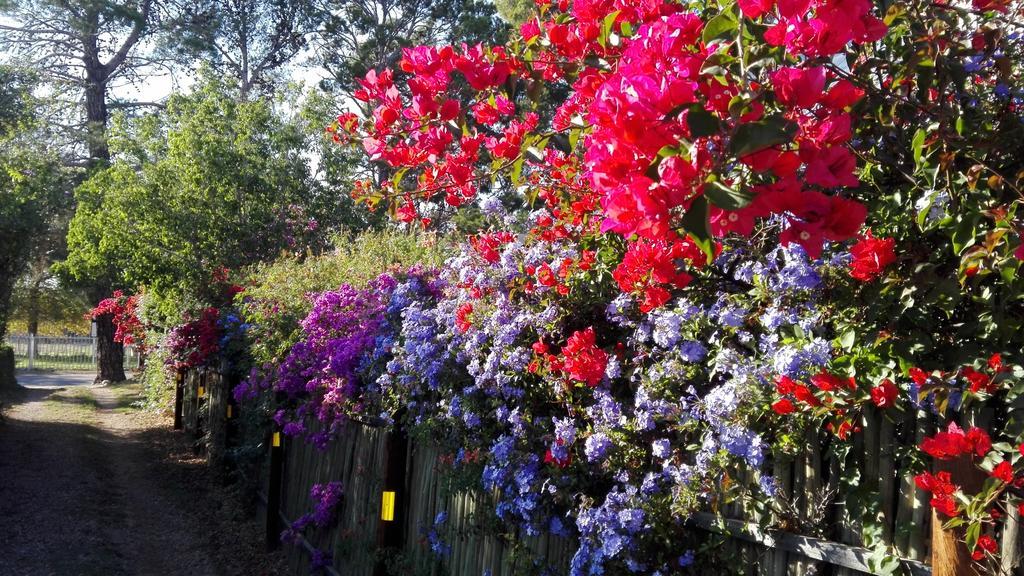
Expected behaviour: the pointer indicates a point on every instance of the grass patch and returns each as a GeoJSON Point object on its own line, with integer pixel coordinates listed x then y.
{"type": "Point", "coordinates": [129, 395]}
{"type": "Point", "coordinates": [76, 405]}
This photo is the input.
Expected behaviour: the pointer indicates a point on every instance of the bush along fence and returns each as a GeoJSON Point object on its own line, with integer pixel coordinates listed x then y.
{"type": "Point", "coordinates": [388, 505]}
{"type": "Point", "coordinates": [765, 307]}
{"type": "Point", "coordinates": [442, 482]}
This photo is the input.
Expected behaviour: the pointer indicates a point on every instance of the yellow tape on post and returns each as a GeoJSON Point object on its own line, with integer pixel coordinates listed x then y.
{"type": "Point", "coordinates": [277, 439]}
{"type": "Point", "coordinates": [202, 391]}
{"type": "Point", "coordinates": [229, 410]}
{"type": "Point", "coordinates": [387, 506]}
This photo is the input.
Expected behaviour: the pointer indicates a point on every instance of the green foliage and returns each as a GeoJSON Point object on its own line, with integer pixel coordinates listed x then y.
{"type": "Point", "coordinates": [336, 166]}
{"type": "Point", "coordinates": [7, 380]}
{"type": "Point", "coordinates": [61, 310]}
{"type": "Point", "coordinates": [950, 194]}
{"type": "Point", "coordinates": [157, 382]}
{"type": "Point", "coordinates": [515, 12]}
{"type": "Point", "coordinates": [15, 99]}
{"type": "Point", "coordinates": [276, 297]}
{"type": "Point", "coordinates": [363, 36]}
{"type": "Point", "coordinates": [250, 40]}
{"type": "Point", "coordinates": [31, 184]}
{"type": "Point", "coordinates": [214, 182]}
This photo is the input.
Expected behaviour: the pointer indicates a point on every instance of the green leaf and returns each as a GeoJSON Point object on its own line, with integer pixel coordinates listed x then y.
{"type": "Point", "coordinates": [695, 223]}
{"type": "Point", "coordinates": [917, 145]}
{"type": "Point", "coordinates": [606, 28]}
{"type": "Point", "coordinates": [702, 123]}
{"type": "Point", "coordinates": [728, 198]}
{"type": "Point", "coordinates": [848, 338]}
{"type": "Point", "coordinates": [755, 136]}
{"type": "Point", "coordinates": [517, 170]}
{"type": "Point", "coordinates": [971, 539]}
{"type": "Point", "coordinates": [719, 26]}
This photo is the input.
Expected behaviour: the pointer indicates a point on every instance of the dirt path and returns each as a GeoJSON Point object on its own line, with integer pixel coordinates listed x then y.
{"type": "Point", "coordinates": [91, 487]}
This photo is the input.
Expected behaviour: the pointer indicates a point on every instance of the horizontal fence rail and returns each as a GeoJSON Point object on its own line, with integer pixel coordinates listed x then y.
{"type": "Point", "coordinates": [69, 353]}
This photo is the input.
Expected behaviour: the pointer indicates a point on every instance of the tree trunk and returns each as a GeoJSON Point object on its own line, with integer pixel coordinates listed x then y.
{"type": "Point", "coordinates": [109, 354]}
{"type": "Point", "coordinates": [97, 116]}
{"type": "Point", "coordinates": [33, 309]}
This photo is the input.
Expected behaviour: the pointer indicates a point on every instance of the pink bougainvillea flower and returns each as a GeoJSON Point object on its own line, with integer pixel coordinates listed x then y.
{"type": "Point", "coordinates": [800, 87]}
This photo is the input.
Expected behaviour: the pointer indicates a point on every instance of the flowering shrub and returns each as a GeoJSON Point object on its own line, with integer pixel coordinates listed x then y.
{"type": "Point", "coordinates": [196, 342]}
{"type": "Point", "coordinates": [124, 311]}
{"type": "Point", "coordinates": [693, 296]}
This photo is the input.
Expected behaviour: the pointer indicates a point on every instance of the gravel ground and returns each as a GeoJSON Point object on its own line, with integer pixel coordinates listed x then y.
{"type": "Point", "coordinates": [92, 487]}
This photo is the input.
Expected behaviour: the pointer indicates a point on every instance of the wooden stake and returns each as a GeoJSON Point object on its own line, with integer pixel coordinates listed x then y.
{"type": "Point", "coordinates": [950, 556]}
{"type": "Point", "coordinates": [274, 491]}
{"type": "Point", "coordinates": [179, 397]}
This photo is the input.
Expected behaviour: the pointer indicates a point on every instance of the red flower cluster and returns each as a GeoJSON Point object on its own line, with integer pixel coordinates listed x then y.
{"type": "Point", "coordinates": [884, 395]}
{"type": "Point", "coordinates": [1003, 472]}
{"type": "Point", "coordinates": [462, 320]}
{"type": "Point", "coordinates": [581, 359]}
{"type": "Point", "coordinates": [195, 342]}
{"type": "Point", "coordinates": [787, 387]}
{"type": "Point", "coordinates": [954, 442]}
{"type": "Point", "coordinates": [977, 380]}
{"type": "Point", "coordinates": [650, 267]}
{"type": "Point", "coordinates": [985, 544]}
{"type": "Point", "coordinates": [871, 256]}
{"type": "Point", "coordinates": [488, 245]}
{"type": "Point", "coordinates": [124, 311]}
{"type": "Point", "coordinates": [942, 488]}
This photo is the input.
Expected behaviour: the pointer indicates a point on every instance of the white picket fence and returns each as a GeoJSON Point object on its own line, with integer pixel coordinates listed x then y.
{"type": "Point", "coordinates": [61, 352]}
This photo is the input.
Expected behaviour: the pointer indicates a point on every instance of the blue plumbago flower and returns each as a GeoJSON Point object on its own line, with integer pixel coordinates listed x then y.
{"type": "Point", "coordinates": [684, 375]}
{"type": "Point", "coordinates": [686, 559]}
{"type": "Point", "coordinates": [606, 411]}
{"type": "Point", "coordinates": [692, 351]}
{"type": "Point", "coordinates": [732, 316]}
{"type": "Point", "coordinates": [935, 202]}
{"type": "Point", "coordinates": [661, 448]}
{"type": "Point", "coordinates": [768, 485]}
{"type": "Point", "coordinates": [565, 435]}
{"type": "Point", "coordinates": [596, 446]}
{"type": "Point", "coordinates": [666, 327]}
{"type": "Point", "coordinates": [618, 309]}
{"type": "Point", "coordinates": [437, 544]}
{"type": "Point", "coordinates": [492, 206]}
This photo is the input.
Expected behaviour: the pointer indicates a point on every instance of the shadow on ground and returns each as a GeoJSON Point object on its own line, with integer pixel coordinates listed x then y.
{"type": "Point", "coordinates": [87, 489]}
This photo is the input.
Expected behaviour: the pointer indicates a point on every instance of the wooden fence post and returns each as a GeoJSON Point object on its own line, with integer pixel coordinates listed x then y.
{"type": "Point", "coordinates": [179, 396]}
{"type": "Point", "coordinates": [274, 491]}
{"type": "Point", "coordinates": [391, 531]}
{"type": "Point", "coordinates": [217, 417]}
{"type": "Point", "coordinates": [950, 556]}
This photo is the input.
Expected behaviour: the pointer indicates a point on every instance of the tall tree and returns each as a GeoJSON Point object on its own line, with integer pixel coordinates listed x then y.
{"type": "Point", "coordinates": [251, 40]}
{"type": "Point", "coordinates": [212, 182]}
{"type": "Point", "coordinates": [33, 185]}
{"type": "Point", "coordinates": [81, 50]}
